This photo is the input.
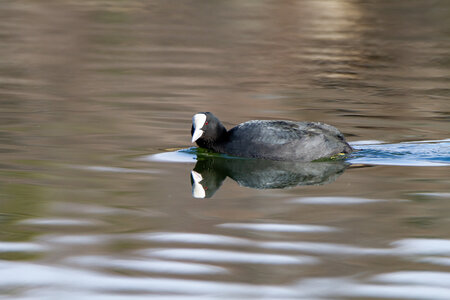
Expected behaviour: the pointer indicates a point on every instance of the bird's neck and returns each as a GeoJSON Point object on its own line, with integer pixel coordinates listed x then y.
{"type": "Point", "coordinates": [217, 144]}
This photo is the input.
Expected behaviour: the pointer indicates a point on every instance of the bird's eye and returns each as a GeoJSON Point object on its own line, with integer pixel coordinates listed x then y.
{"type": "Point", "coordinates": [206, 123]}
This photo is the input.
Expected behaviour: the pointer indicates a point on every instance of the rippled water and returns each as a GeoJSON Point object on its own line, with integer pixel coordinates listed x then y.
{"type": "Point", "coordinates": [101, 196]}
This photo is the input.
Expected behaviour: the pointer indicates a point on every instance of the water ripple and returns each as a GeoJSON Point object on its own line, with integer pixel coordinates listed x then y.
{"type": "Point", "coordinates": [224, 256]}
{"type": "Point", "coordinates": [42, 277]}
{"type": "Point", "coordinates": [279, 227]}
{"type": "Point", "coordinates": [193, 238]}
{"type": "Point", "coordinates": [60, 222]}
{"type": "Point", "coordinates": [423, 246]}
{"type": "Point", "coordinates": [20, 247]}
{"type": "Point", "coordinates": [333, 200]}
{"type": "Point", "coordinates": [441, 261]}
{"type": "Point", "coordinates": [149, 266]}
{"type": "Point", "coordinates": [324, 248]}
{"type": "Point", "coordinates": [435, 153]}
{"type": "Point", "coordinates": [429, 278]}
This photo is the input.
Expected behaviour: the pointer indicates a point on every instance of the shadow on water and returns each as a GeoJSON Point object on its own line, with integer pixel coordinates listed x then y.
{"type": "Point", "coordinates": [210, 172]}
{"type": "Point", "coordinates": [211, 169]}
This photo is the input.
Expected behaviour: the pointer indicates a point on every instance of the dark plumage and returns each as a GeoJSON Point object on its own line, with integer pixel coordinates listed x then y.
{"type": "Point", "coordinates": [266, 139]}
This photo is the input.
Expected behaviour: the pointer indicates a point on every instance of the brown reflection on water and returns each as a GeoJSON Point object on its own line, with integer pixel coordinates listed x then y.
{"type": "Point", "coordinates": [87, 88]}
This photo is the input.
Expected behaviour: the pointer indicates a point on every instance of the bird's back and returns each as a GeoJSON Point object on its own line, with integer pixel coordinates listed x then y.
{"type": "Point", "coordinates": [285, 140]}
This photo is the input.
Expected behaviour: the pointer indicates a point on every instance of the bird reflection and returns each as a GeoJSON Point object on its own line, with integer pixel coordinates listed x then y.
{"type": "Point", "coordinates": [210, 172]}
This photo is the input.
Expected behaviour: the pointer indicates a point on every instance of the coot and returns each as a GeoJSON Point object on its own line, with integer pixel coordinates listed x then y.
{"type": "Point", "coordinates": [269, 139]}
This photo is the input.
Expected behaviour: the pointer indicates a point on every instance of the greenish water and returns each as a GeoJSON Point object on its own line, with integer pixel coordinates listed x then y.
{"type": "Point", "coordinates": [102, 195]}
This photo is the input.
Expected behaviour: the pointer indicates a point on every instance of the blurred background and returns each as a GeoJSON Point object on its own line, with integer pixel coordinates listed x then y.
{"type": "Point", "coordinates": [88, 88]}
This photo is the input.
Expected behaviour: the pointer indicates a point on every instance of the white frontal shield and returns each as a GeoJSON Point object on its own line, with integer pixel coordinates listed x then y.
{"type": "Point", "coordinates": [198, 120]}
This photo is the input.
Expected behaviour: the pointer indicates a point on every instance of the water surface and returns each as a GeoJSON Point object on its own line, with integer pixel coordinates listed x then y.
{"type": "Point", "coordinates": [96, 100]}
